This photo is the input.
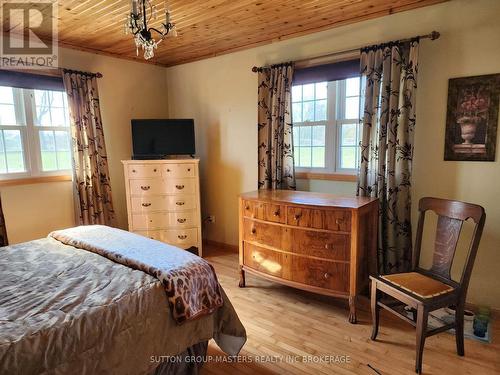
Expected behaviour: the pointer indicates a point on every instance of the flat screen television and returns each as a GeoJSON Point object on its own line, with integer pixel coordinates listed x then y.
{"type": "Point", "coordinates": [155, 139]}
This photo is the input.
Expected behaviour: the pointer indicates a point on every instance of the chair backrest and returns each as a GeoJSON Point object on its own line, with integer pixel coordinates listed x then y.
{"type": "Point", "coordinates": [451, 215]}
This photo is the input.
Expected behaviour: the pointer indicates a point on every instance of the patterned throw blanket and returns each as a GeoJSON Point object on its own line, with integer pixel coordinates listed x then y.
{"type": "Point", "coordinates": [190, 281]}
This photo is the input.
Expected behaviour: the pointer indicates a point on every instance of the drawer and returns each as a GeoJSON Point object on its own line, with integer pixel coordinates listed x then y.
{"type": "Point", "coordinates": [262, 233]}
{"type": "Point", "coordinates": [264, 211]}
{"type": "Point", "coordinates": [264, 260]}
{"type": "Point", "coordinates": [153, 220]}
{"type": "Point", "coordinates": [336, 220]}
{"type": "Point", "coordinates": [183, 238]}
{"type": "Point", "coordinates": [322, 274]}
{"type": "Point", "coordinates": [163, 203]}
{"type": "Point", "coordinates": [153, 234]}
{"type": "Point", "coordinates": [180, 186]}
{"type": "Point", "coordinates": [147, 186]}
{"type": "Point", "coordinates": [320, 244]}
{"type": "Point", "coordinates": [182, 219]}
{"type": "Point", "coordinates": [144, 171]}
{"type": "Point", "coordinates": [180, 170]}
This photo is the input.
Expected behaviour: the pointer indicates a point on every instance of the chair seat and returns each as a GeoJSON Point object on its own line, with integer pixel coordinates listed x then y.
{"type": "Point", "coordinates": [418, 284]}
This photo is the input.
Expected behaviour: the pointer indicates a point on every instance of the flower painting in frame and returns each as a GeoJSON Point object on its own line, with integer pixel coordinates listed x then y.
{"type": "Point", "coordinates": [472, 118]}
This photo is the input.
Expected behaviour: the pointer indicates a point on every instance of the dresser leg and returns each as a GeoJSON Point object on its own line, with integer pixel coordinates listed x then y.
{"type": "Point", "coordinates": [352, 310]}
{"type": "Point", "coordinates": [242, 278]}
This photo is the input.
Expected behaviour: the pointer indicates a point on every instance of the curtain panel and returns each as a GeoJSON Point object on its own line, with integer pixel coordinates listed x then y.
{"type": "Point", "coordinates": [93, 202]}
{"type": "Point", "coordinates": [387, 146]}
{"type": "Point", "coordinates": [275, 136]}
{"type": "Point", "coordinates": [4, 241]}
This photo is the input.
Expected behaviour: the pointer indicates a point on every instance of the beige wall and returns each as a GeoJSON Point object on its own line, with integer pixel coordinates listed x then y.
{"type": "Point", "coordinates": [220, 93]}
{"type": "Point", "coordinates": [127, 90]}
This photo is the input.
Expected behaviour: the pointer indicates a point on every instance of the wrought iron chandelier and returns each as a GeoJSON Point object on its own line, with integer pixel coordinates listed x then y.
{"type": "Point", "coordinates": [141, 13]}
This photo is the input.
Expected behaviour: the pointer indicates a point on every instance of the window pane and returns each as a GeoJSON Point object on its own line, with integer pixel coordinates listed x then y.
{"type": "Point", "coordinates": [348, 157]}
{"type": "Point", "coordinates": [43, 116]}
{"type": "Point", "coordinates": [305, 136]}
{"type": "Point", "coordinates": [6, 95]}
{"type": "Point", "coordinates": [7, 114]}
{"type": "Point", "coordinates": [297, 112]}
{"type": "Point", "coordinates": [48, 150]}
{"type": "Point", "coordinates": [3, 162]}
{"type": "Point", "coordinates": [352, 108]}
{"type": "Point", "coordinates": [305, 156]}
{"type": "Point", "coordinates": [308, 111]}
{"type": "Point", "coordinates": [318, 157]}
{"type": "Point", "coordinates": [296, 160]}
{"type": "Point", "coordinates": [321, 90]}
{"type": "Point", "coordinates": [352, 86]}
{"type": "Point", "coordinates": [58, 117]}
{"type": "Point", "coordinates": [63, 150]}
{"type": "Point", "coordinates": [318, 136]}
{"type": "Point", "coordinates": [13, 150]}
{"type": "Point", "coordinates": [348, 135]}
{"type": "Point", "coordinates": [43, 98]}
{"type": "Point", "coordinates": [308, 92]}
{"type": "Point", "coordinates": [296, 93]}
{"type": "Point", "coordinates": [296, 130]}
{"type": "Point", "coordinates": [320, 110]}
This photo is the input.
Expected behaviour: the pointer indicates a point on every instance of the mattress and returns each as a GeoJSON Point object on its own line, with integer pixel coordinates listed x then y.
{"type": "Point", "coordinates": [66, 310]}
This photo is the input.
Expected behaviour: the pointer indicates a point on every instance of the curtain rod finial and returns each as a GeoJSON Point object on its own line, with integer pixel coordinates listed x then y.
{"type": "Point", "coordinates": [255, 69]}
{"type": "Point", "coordinates": [435, 35]}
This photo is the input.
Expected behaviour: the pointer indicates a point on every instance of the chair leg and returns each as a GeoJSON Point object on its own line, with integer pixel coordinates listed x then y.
{"type": "Point", "coordinates": [375, 310]}
{"type": "Point", "coordinates": [459, 328]}
{"type": "Point", "coordinates": [422, 317]}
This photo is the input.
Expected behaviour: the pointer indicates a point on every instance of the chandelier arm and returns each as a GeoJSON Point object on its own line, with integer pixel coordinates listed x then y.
{"type": "Point", "coordinates": [164, 34]}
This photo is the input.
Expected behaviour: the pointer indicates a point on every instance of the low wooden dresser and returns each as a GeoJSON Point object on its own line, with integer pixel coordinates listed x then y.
{"type": "Point", "coordinates": [317, 242]}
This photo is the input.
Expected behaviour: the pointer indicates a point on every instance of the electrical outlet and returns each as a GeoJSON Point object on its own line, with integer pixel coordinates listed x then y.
{"type": "Point", "coordinates": [211, 219]}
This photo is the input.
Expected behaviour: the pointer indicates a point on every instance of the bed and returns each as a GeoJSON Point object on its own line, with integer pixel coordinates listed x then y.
{"type": "Point", "coordinates": [67, 310]}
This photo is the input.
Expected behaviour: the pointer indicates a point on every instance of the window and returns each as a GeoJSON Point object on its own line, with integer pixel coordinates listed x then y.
{"type": "Point", "coordinates": [34, 133]}
{"type": "Point", "coordinates": [326, 126]}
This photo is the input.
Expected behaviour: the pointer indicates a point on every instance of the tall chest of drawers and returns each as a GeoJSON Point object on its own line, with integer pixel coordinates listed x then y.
{"type": "Point", "coordinates": [317, 242]}
{"type": "Point", "coordinates": [163, 201]}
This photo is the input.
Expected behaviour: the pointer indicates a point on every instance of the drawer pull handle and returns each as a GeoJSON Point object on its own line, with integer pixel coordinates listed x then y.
{"type": "Point", "coordinates": [189, 169]}
{"type": "Point", "coordinates": [145, 187]}
{"type": "Point", "coordinates": [181, 220]}
{"type": "Point", "coordinates": [168, 170]}
{"type": "Point", "coordinates": [247, 207]}
{"type": "Point", "coordinates": [146, 204]}
{"type": "Point", "coordinates": [182, 236]}
{"type": "Point", "coordinates": [179, 203]}
{"type": "Point", "coordinates": [277, 213]}
{"type": "Point", "coordinates": [326, 275]}
{"type": "Point", "coordinates": [339, 221]}
{"type": "Point", "coordinates": [133, 171]}
{"type": "Point", "coordinates": [254, 230]}
{"type": "Point", "coordinates": [154, 170]}
{"type": "Point", "coordinates": [297, 217]}
{"type": "Point", "coordinates": [180, 187]}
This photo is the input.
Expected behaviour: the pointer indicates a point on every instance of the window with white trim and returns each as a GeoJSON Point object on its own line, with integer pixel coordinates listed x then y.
{"type": "Point", "coordinates": [34, 133]}
{"type": "Point", "coordinates": [326, 126]}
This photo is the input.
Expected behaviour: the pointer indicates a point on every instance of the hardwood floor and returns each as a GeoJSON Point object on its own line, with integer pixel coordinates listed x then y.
{"type": "Point", "coordinates": [282, 321]}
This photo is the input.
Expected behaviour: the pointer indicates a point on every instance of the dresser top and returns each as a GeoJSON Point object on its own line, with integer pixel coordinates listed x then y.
{"type": "Point", "coordinates": [308, 198]}
{"type": "Point", "coordinates": [161, 161]}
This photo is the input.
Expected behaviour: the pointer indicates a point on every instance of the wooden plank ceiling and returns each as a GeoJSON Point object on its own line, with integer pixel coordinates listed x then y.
{"type": "Point", "coordinates": [208, 28]}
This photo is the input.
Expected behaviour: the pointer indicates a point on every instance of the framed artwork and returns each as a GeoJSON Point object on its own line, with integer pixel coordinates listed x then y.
{"type": "Point", "coordinates": [472, 118]}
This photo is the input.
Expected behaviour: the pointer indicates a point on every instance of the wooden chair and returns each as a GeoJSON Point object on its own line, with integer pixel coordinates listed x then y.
{"type": "Point", "coordinates": [427, 290]}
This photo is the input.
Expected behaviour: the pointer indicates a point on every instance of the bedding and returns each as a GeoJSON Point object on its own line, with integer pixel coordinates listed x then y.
{"type": "Point", "coordinates": [65, 310]}
{"type": "Point", "coordinates": [190, 281]}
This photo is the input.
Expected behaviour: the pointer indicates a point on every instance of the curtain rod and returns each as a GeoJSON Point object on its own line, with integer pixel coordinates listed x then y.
{"type": "Point", "coordinates": [432, 36]}
{"type": "Point", "coordinates": [88, 74]}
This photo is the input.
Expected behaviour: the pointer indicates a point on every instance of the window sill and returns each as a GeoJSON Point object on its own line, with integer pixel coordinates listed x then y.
{"type": "Point", "coordinates": [35, 180]}
{"type": "Point", "coordinates": [326, 176]}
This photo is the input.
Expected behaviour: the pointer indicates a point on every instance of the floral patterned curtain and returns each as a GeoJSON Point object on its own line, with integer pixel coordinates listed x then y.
{"type": "Point", "coordinates": [387, 146]}
{"type": "Point", "coordinates": [3, 230]}
{"type": "Point", "coordinates": [276, 165]}
{"type": "Point", "coordinates": [93, 204]}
